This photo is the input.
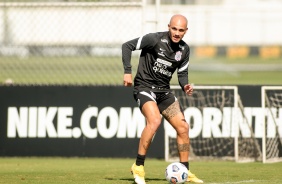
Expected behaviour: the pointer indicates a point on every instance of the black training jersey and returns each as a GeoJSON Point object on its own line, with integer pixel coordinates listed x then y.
{"type": "Point", "coordinates": [159, 59]}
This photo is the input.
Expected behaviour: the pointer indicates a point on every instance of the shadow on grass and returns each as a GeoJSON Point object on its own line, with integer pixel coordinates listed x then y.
{"type": "Point", "coordinates": [131, 179]}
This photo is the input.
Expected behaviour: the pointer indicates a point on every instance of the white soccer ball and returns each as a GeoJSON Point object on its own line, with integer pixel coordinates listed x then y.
{"type": "Point", "coordinates": [176, 173]}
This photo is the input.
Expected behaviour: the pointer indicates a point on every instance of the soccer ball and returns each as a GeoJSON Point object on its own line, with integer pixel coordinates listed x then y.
{"type": "Point", "coordinates": [176, 173]}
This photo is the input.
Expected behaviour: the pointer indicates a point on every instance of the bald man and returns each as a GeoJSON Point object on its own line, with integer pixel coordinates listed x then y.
{"type": "Point", "coordinates": [161, 54]}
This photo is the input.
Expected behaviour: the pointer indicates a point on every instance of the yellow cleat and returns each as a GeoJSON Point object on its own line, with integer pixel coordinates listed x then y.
{"type": "Point", "coordinates": [193, 178]}
{"type": "Point", "coordinates": [138, 174]}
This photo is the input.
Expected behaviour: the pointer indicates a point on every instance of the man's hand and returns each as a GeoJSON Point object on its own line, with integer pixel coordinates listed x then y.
{"type": "Point", "coordinates": [188, 88]}
{"type": "Point", "coordinates": [127, 79]}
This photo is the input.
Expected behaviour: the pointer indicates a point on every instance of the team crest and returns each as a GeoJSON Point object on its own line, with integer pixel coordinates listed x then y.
{"type": "Point", "coordinates": [178, 55]}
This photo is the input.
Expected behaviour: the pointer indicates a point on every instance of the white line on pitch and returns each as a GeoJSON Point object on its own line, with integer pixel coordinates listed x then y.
{"type": "Point", "coordinates": [238, 182]}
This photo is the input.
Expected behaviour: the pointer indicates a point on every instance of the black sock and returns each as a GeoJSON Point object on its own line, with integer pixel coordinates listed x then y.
{"type": "Point", "coordinates": [140, 159]}
{"type": "Point", "coordinates": [186, 164]}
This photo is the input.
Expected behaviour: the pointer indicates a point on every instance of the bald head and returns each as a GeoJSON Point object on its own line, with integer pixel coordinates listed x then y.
{"type": "Point", "coordinates": [179, 19]}
{"type": "Point", "coordinates": [177, 27]}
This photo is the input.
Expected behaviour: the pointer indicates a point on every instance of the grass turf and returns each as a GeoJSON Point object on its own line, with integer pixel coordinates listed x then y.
{"type": "Point", "coordinates": [109, 71]}
{"type": "Point", "coordinates": [116, 171]}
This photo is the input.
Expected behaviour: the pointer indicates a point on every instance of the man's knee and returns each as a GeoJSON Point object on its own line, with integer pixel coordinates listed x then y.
{"type": "Point", "coordinates": [183, 128]}
{"type": "Point", "coordinates": [154, 123]}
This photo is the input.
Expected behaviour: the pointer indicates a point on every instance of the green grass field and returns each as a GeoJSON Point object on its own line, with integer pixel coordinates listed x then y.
{"type": "Point", "coordinates": [116, 171]}
{"type": "Point", "coordinates": [109, 70]}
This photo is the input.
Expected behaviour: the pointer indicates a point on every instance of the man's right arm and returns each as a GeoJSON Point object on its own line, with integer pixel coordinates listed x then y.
{"type": "Point", "coordinates": [127, 49]}
{"type": "Point", "coordinates": [147, 41]}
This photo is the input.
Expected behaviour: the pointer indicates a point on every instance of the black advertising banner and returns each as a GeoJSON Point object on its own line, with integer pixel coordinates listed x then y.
{"type": "Point", "coordinates": [105, 121]}
{"type": "Point", "coordinates": [72, 121]}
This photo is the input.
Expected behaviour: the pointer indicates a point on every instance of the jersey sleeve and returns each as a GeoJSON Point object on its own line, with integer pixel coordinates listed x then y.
{"type": "Point", "coordinates": [127, 49]}
{"type": "Point", "coordinates": [182, 72]}
{"type": "Point", "coordinates": [143, 42]}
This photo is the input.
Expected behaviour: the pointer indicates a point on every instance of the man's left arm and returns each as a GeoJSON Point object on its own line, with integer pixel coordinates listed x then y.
{"type": "Point", "coordinates": [183, 76]}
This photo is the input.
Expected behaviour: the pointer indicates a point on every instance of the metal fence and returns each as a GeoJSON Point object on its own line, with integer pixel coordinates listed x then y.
{"type": "Point", "coordinates": [65, 42]}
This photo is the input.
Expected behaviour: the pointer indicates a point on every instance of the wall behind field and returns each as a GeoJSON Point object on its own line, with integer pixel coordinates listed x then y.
{"type": "Point", "coordinates": [229, 25]}
{"type": "Point", "coordinates": [106, 24]}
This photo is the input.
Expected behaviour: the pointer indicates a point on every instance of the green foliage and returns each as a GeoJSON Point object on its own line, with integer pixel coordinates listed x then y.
{"type": "Point", "coordinates": [111, 171]}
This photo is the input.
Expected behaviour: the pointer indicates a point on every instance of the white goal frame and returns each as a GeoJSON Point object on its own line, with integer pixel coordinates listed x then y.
{"type": "Point", "coordinates": [265, 106]}
{"type": "Point", "coordinates": [236, 99]}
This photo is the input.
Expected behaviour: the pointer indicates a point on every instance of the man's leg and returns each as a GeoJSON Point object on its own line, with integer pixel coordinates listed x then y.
{"type": "Point", "coordinates": [153, 120]}
{"type": "Point", "coordinates": [175, 117]}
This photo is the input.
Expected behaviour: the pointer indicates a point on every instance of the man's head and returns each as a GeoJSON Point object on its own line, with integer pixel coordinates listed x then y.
{"type": "Point", "coordinates": [177, 27]}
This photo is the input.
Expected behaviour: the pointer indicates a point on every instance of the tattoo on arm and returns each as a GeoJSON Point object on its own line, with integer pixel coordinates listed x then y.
{"type": "Point", "coordinates": [183, 147]}
{"type": "Point", "coordinates": [172, 110]}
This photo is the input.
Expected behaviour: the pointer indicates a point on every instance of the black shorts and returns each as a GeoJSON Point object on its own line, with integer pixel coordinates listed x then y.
{"type": "Point", "coordinates": [163, 99]}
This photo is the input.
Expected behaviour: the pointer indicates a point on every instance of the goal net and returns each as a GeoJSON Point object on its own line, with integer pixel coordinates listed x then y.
{"type": "Point", "coordinates": [272, 138]}
{"type": "Point", "coordinates": [218, 126]}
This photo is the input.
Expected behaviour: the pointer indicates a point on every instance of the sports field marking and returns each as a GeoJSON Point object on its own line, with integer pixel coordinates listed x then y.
{"type": "Point", "coordinates": [238, 182]}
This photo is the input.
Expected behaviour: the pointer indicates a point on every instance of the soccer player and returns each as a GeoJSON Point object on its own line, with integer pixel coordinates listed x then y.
{"type": "Point", "coordinates": [161, 54]}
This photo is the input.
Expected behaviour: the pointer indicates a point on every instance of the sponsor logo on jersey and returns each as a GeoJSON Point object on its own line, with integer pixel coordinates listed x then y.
{"type": "Point", "coordinates": [164, 40]}
{"type": "Point", "coordinates": [178, 55]}
{"type": "Point", "coordinates": [160, 66]}
{"type": "Point", "coordinates": [181, 47]}
{"type": "Point", "coordinates": [167, 63]}
{"type": "Point", "coordinates": [162, 52]}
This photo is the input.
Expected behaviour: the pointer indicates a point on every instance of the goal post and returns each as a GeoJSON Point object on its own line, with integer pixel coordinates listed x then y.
{"type": "Point", "coordinates": [208, 103]}
{"type": "Point", "coordinates": [271, 98]}
{"type": "Point", "coordinates": [218, 126]}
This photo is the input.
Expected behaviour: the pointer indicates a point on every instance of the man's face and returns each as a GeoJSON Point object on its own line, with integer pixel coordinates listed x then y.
{"type": "Point", "coordinates": [177, 30]}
